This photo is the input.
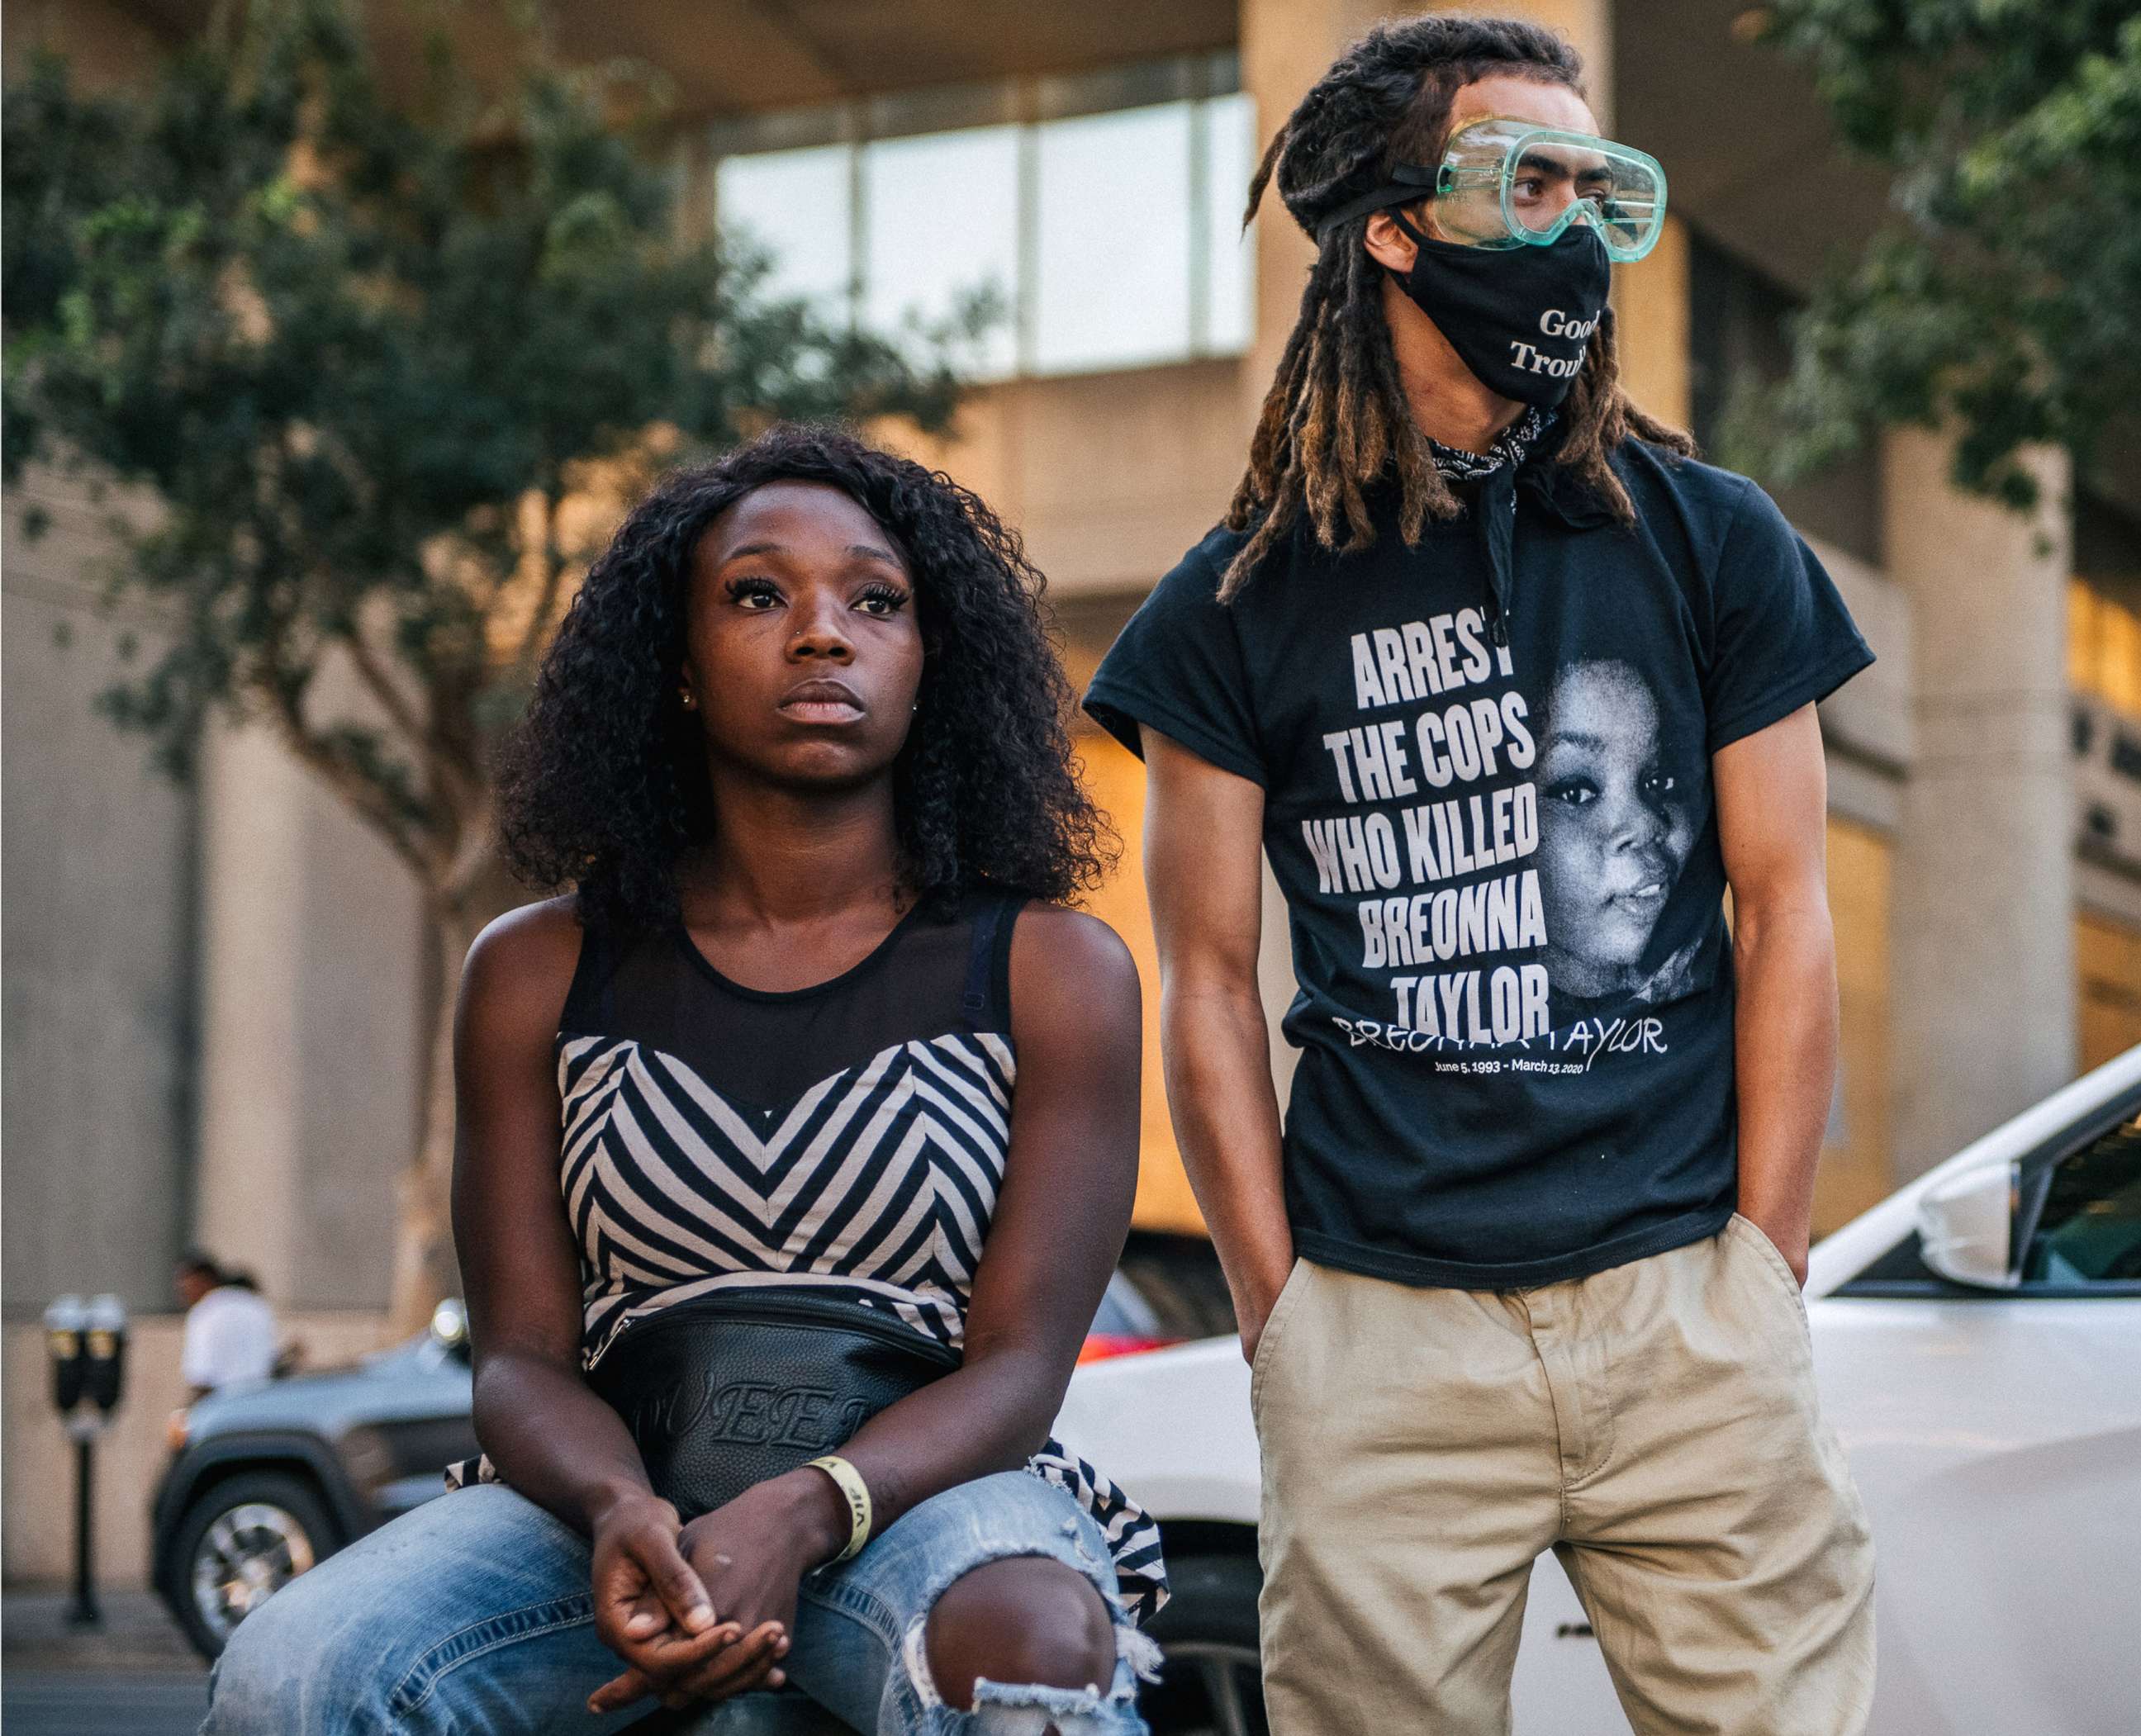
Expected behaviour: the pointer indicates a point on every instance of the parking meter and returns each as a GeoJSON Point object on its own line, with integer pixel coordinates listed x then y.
{"type": "Point", "coordinates": [66, 1322]}
{"type": "Point", "coordinates": [104, 1341]}
{"type": "Point", "coordinates": [87, 1346]}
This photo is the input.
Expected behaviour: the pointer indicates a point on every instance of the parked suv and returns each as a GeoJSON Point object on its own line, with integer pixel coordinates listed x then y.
{"type": "Point", "coordinates": [271, 1478]}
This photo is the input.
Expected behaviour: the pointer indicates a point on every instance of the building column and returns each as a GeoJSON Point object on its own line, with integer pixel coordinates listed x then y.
{"type": "Point", "coordinates": [1651, 325]}
{"type": "Point", "coordinates": [1984, 985]}
{"type": "Point", "coordinates": [1285, 47]}
{"type": "Point", "coordinates": [313, 1013]}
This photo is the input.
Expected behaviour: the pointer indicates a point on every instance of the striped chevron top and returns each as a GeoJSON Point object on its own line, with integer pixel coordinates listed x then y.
{"type": "Point", "coordinates": [846, 1140]}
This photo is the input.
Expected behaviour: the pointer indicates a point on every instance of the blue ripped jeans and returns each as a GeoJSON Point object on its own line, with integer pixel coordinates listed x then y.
{"type": "Point", "coordinates": [471, 1617]}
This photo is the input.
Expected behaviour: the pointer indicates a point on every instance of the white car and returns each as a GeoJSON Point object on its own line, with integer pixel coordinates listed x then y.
{"type": "Point", "coordinates": [1977, 1343]}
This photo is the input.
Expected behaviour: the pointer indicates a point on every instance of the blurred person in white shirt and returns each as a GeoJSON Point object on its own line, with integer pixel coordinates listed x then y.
{"type": "Point", "coordinates": [231, 1329]}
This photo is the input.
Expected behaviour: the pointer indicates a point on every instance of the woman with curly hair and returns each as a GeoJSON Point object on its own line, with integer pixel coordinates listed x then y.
{"type": "Point", "coordinates": [810, 1104]}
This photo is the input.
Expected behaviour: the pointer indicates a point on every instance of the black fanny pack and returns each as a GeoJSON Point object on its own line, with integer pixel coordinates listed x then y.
{"type": "Point", "coordinates": [728, 1391]}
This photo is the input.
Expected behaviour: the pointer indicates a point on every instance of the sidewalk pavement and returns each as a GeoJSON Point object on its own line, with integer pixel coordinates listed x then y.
{"type": "Point", "coordinates": [137, 1637]}
{"type": "Point", "coordinates": [76, 1703]}
{"type": "Point", "coordinates": [133, 1675]}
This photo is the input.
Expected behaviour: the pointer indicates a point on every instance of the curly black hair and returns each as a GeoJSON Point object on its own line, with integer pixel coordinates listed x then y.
{"type": "Point", "coordinates": [602, 783]}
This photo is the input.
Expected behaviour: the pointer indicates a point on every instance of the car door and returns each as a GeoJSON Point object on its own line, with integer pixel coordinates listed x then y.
{"type": "Point", "coordinates": [1996, 1434]}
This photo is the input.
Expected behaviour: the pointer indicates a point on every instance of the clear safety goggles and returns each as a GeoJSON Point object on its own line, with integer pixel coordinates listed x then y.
{"type": "Point", "coordinates": [1504, 183]}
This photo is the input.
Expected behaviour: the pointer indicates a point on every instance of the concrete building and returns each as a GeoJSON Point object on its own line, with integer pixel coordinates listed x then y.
{"type": "Point", "coordinates": [215, 995]}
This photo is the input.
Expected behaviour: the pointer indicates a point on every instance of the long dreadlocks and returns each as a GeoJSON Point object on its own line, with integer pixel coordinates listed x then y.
{"type": "Point", "coordinates": [1337, 418]}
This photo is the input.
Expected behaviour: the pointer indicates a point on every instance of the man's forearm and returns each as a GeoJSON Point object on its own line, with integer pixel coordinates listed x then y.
{"type": "Point", "coordinates": [1785, 1048]}
{"type": "Point", "coordinates": [1226, 1116]}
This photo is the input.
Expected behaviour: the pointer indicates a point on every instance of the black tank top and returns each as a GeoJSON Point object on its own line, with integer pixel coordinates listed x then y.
{"type": "Point", "coordinates": [934, 974]}
{"type": "Point", "coordinates": [845, 1139]}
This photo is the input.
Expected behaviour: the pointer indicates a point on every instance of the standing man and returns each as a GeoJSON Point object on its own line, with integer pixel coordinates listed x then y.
{"type": "Point", "coordinates": [231, 1329]}
{"type": "Point", "coordinates": [1511, 690]}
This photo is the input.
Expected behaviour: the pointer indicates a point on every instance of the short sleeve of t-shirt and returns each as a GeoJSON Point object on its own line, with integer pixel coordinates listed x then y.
{"type": "Point", "coordinates": [229, 1336]}
{"type": "Point", "coordinates": [1178, 666]}
{"type": "Point", "coordinates": [1782, 635]}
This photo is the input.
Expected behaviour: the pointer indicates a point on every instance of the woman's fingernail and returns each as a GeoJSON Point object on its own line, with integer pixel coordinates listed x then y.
{"type": "Point", "coordinates": [699, 1617]}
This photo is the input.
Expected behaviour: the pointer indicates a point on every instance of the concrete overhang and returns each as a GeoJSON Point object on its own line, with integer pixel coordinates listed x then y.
{"type": "Point", "coordinates": [1750, 155]}
{"type": "Point", "coordinates": [747, 56]}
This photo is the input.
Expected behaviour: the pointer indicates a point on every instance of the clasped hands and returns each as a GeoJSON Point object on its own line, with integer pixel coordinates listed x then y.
{"type": "Point", "coordinates": [705, 1610]}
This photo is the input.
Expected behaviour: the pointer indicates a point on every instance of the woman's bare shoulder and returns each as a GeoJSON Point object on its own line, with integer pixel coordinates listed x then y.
{"type": "Point", "coordinates": [1063, 960]}
{"type": "Point", "coordinates": [523, 962]}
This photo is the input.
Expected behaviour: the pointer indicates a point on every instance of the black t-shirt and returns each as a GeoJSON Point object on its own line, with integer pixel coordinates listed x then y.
{"type": "Point", "coordinates": [1501, 861]}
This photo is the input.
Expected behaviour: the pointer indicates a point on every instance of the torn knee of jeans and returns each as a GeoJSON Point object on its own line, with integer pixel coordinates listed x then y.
{"type": "Point", "coordinates": [1015, 1708]}
{"type": "Point", "coordinates": [1003, 1708]}
{"type": "Point", "coordinates": [1136, 1647]}
{"type": "Point", "coordinates": [1008, 1709]}
{"type": "Point", "coordinates": [914, 1658]}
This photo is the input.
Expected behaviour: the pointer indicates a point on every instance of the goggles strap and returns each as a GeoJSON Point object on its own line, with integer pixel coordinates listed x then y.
{"type": "Point", "coordinates": [1409, 184]}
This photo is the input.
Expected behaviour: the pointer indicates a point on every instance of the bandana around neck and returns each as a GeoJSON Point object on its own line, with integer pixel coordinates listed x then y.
{"type": "Point", "coordinates": [1510, 448]}
{"type": "Point", "coordinates": [1493, 508]}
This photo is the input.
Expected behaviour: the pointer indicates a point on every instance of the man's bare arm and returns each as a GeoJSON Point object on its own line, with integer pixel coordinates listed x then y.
{"type": "Point", "coordinates": [1203, 856]}
{"type": "Point", "coordinates": [1772, 822]}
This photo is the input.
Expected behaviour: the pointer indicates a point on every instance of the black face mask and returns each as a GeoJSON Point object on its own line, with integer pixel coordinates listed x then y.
{"type": "Point", "coordinates": [1518, 317]}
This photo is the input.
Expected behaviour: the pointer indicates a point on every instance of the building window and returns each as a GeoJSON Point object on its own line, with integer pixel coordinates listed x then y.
{"type": "Point", "coordinates": [1111, 279]}
{"type": "Point", "coordinates": [2107, 987]}
{"type": "Point", "coordinates": [2103, 647]}
{"type": "Point", "coordinates": [2103, 604]}
{"type": "Point", "coordinates": [939, 217]}
{"type": "Point", "coordinates": [791, 204]}
{"type": "Point", "coordinates": [1098, 216]}
{"type": "Point", "coordinates": [1855, 1172]}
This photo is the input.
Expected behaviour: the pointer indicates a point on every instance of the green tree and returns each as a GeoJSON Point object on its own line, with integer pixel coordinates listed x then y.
{"type": "Point", "coordinates": [2003, 302]}
{"type": "Point", "coordinates": [388, 364]}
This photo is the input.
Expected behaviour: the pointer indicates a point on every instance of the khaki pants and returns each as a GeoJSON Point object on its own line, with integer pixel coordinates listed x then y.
{"type": "Point", "coordinates": [1654, 1425]}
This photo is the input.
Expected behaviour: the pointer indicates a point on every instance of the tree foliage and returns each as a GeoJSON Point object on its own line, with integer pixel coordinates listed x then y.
{"type": "Point", "coordinates": [2004, 300]}
{"type": "Point", "coordinates": [388, 363]}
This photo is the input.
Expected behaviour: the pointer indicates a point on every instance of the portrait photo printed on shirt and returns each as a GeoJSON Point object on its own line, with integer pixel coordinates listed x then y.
{"type": "Point", "coordinates": [1512, 847]}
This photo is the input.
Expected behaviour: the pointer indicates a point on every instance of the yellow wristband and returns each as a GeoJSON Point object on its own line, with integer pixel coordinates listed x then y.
{"type": "Point", "coordinates": [858, 1496]}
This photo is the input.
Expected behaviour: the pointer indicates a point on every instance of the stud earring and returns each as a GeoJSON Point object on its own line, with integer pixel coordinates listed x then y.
{"type": "Point", "coordinates": [690, 703]}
